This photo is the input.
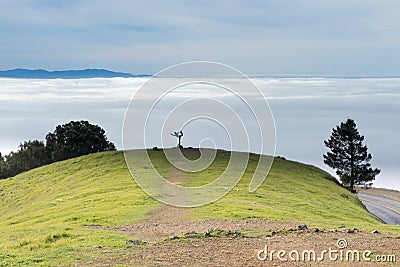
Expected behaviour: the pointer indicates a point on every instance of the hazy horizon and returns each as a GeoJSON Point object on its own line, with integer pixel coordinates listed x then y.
{"type": "Point", "coordinates": [250, 75]}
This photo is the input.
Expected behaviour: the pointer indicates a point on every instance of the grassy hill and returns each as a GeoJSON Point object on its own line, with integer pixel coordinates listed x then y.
{"type": "Point", "coordinates": [45, 213]}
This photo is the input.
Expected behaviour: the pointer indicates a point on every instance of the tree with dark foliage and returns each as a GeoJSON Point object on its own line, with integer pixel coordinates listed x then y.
{"type": "Point", "coordinates": [349, 156]}
{"type": "Point", "coordinates": [75, 139]}
{"type": "Point", "coordinates": [3, 167]}
{"type": "Point", "coordinates": [30, 155]}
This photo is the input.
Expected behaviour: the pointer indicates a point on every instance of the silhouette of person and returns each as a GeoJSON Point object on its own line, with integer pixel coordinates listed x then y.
{"type": "Point", "coordinates": [179, 136]}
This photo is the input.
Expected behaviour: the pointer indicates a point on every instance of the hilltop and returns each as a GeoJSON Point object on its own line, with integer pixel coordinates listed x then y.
{"type": "Point", "coordinates": [89, 211]}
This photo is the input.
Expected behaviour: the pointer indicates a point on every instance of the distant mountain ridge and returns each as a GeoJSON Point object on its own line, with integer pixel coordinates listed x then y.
{"type": "Point", "coordinates": [65, 74]}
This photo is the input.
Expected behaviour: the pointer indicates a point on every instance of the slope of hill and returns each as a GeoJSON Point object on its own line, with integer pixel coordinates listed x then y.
{"type": "Point", "coordinates": [65, 74]}
{"type": "Point", "coordinates": [59, 214]}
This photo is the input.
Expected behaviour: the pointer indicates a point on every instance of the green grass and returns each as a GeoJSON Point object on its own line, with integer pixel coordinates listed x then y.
{"type": "Point", "coordinates": [45, 213]}
{"type": "Point", "coordinates": [295, 192]}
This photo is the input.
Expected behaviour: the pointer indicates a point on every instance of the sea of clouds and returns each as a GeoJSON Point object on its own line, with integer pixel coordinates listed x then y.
{"type": "Point", "coordinates": [305, 111]}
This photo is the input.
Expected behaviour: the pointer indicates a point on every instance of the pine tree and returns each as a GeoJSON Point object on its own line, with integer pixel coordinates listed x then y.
{"type": "Point", "coordinates": [349, 156]}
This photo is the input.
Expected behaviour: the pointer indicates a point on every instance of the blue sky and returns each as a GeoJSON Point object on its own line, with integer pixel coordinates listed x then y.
{"type": "Point", "coordinates": [258, 37]}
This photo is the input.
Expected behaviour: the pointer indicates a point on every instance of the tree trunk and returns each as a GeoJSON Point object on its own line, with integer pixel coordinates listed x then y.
{"type": "Point", "coordinates": [352, 184]}
{"type": "Point", "coordinates": [352, 165]}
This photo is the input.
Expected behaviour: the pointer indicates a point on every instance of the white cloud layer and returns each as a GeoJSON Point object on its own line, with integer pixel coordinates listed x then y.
{"type": "Point", "coordinates": [305, 111]}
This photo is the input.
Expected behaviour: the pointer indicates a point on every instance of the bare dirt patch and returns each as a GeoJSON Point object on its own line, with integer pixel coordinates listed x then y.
{"type": "Point", "coordinates": [156, 230]}
{"type": "Point", "coordinates": [242, 251]}
{"type": "Point", "coordinates": [168, 238]}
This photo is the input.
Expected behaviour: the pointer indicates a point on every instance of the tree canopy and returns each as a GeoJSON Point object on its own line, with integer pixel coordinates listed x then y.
{"type": "Point", "coordinates": [70, 140]}
{"type": "Point", "coordinates": [349, 156]}
{"type": "Point", "coordinates": [75, 139]}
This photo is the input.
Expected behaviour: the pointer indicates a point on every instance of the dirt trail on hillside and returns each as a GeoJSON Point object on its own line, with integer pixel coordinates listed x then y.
{"type": "Point", "coordinates": [243, 251]}
{"type": "Point", "coordinates": [164, 240]}
{"type": "Point", "coordinates": [153, 231]}
{"type": "Point", "coordinates": [168, 236]}
{"type": "Point", "coordinates": [168, 221]}
{"type": "Point", "coordinates": [167, 213]}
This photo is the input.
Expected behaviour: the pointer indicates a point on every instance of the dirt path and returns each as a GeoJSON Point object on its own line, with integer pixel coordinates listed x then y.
{"type": "Point", "coordinates": [243, 251]}
{"type": "Point", "coordinates": [169, 237]}
{"type": "Point", "coordinates": [163, 221]}
{"type": "Point", "coordinates": [153, 231]}
{"type": "Point", "coordinates": [167, 213]}
{"type": "Point", "coordinates": [169, 221]}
